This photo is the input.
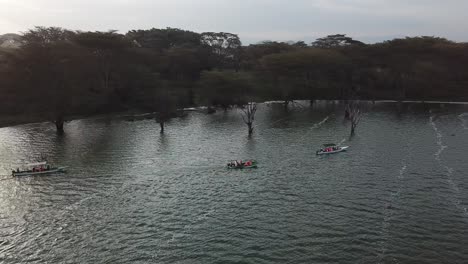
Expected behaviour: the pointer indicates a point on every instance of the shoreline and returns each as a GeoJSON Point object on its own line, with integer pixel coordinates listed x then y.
{"type": "Point", "coordinates": [133, 115]}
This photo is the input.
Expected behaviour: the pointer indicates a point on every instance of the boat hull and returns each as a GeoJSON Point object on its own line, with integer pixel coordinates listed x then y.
{"type": "Point", "coordinates": [243, 167]}
{"type": "Point", "coordinates": [51, 171]}
{"type": "Point", "coordinates": [332, 152]}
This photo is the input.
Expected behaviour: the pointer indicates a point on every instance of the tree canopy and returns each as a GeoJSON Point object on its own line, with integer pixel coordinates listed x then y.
{"type": "Point", "coordinates": [58, 73]}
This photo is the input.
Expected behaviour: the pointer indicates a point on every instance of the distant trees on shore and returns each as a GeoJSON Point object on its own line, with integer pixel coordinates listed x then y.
{"type": "Point", "coordinates": [56, 73]}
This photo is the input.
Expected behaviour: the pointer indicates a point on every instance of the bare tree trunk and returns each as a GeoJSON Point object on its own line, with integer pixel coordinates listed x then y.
{"type": "Point", "coordinates": [249, 116]}
{"type": "Point", "coordinates": [59, 123]}
{"type": "Point", "coordinates": [353, 128]}
{"type": "Point", "coordinates": [354, 115]}
{"type": "Point", "coordinates": [250, 125]}
{"type": "Point", "coordinates": [161, 124]}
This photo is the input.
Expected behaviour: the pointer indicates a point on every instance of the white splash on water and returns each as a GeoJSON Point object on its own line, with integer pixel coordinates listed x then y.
{"type": "Point", "coordinates": [402, 172]}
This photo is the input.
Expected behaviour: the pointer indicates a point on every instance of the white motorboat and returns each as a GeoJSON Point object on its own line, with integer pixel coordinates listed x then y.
{"type": "Point", "coordinates": [38, 168]}
{"type": "Point", "coordinates": [331, 149]}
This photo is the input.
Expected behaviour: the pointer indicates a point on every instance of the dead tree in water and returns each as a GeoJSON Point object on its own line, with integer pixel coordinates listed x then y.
{"type": "Point", "coordinates": [59, 123]}
{"type": "Point", "coordinates": [248, 115]}
{"type": "Point", "coordinates": [353, 113]}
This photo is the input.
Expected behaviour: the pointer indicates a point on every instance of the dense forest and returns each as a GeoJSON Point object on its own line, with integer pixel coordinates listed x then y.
{"type": "Point", "coordinates": [57, 73]}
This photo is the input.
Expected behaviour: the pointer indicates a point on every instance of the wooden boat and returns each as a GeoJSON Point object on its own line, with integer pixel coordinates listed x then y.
{"type": "Point", "coordinates": [39, 168]}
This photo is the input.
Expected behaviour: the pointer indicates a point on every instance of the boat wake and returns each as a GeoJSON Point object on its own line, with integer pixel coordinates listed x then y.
{"type": "Point", "coordinates": [321, 122]}
{"type": "Point", "coordinates": [78, 204]}
{"type": "Point", "coordinates": [202, 217]}
{"type": "Point", "coordinates": [463, 120]}
{"type": "Point", "coordinates": [389, 211]}
{"type": "Point", "coordinates": [342, 141]}
{"type": "Point", "coordinates": [316, 126]}
{"type": "Point", "coordinates": [448, 171]}
{"type": "Point", "coordinates": [439, 141]}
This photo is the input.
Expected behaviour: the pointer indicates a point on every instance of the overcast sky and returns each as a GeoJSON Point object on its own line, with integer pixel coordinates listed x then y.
{"type": "Point", "coordinates": [253, 20]}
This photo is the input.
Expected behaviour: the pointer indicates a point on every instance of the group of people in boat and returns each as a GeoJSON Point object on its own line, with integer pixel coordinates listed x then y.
{"type": "Point", "coordinates": [330, 149]}
{"type": "Point", "coordinates": [41, 168]}
{"type": "Point", "coordinates": [235, 164]}
{"type": "Point", "coordinates": [35, 169]}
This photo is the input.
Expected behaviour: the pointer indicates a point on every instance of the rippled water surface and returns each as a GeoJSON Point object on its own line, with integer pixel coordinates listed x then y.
{"type": "Point", "coordinates": [131, 195]}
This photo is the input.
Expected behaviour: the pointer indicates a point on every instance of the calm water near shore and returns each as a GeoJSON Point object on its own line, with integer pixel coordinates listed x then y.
{"type": "Point", "coordinates": [399, 195]}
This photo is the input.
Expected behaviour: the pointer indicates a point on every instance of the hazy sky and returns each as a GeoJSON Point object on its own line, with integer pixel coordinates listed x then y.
{"type": "Point", "coordinates": [253, 20]}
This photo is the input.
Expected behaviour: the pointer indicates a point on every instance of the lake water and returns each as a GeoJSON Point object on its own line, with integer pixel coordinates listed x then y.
{"type": "Point", "coordinates": [131, 195]}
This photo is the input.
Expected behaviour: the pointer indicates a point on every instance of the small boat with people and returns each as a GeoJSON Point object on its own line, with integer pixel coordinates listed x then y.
{"type": "Point", "coordinates": [331, 149]}
{"type": "Point", "coordinates": [38, 168]}
{"type": "Point", "coordinates": [249, 164]}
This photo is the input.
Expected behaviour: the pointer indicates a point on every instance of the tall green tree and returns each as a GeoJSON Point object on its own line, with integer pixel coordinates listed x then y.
{"type": "Point", "coordinates": [227, 48]}
{"type": "Point", "coordinates": [224, 88]}
{"type": "Point", "coordinates": [304, 74]}
{"type": "Point", "coordinates": [48, 64]}
{"type": "Point", "coordinates": [334, 41]}
{"type": "Point", "coordinates": [107, 52]}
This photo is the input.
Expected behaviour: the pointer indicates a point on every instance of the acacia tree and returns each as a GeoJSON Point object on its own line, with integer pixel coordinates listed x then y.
{"type": "Point", "coordinates": [334, 41]}
{"type": "Point", "coordinates": [49, 64]}
{"type": "Point", "coordinates": [158, 40]}
{"type": "Point", "coordinates": [304, 74]}
{"type": "Point", "coordinates": [248, 115]}
{"type": "Point", "coordinates": [223, 88]}
{"type": "Point", "coordinates": [227, 47]}
{"type": "Point", "coordinates": [107, 51]}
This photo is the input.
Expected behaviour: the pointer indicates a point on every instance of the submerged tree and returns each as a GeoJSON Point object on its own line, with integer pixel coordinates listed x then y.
{"type": "Point", "coordinates": [248, 115]}
{"type": "Point", "coordinates": [353, 113]}
{"type": "Point", "coordinates": [165, 106]}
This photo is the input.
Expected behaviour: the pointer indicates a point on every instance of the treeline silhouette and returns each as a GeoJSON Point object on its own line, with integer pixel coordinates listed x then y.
{"type": "Point", "coordinates": [56, 73]}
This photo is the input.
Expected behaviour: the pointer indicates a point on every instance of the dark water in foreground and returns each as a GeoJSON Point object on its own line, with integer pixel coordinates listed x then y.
{"type": "Point", "coordinates": [399, 195]}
